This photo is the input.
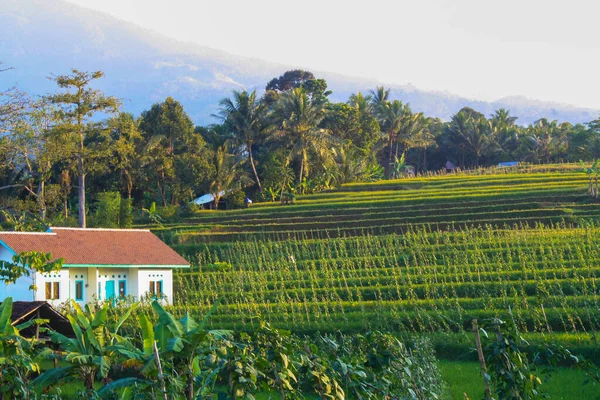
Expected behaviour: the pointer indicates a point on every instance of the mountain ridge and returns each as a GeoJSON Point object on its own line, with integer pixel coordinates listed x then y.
{"type": "Point", "coordinates": [44, 37]}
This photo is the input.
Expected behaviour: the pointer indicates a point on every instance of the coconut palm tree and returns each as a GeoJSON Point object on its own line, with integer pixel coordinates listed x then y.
{"type": "Point", "coordinates": [472, 134]}
{"type": "Point", "coordinates": [361, 102]}
{"type": "Point", "coordinates": [229, 174]}
{"type": "Point", "coordinates": [379, 96]}
{"type": "Point", "coordinates": [298, 119]}
{"type": "Point", "coordinates": [245, 116]}
{"type": "Point", "coordinates": [390, 115]}
{"type": "Point", "coordinates": [505, 131]}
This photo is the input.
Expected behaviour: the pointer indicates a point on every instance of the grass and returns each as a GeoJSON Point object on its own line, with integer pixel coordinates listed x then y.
{"type": "Point", "coordinates": [562, 384]}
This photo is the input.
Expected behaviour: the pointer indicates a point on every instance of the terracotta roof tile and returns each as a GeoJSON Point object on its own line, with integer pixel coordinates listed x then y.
{"type": "Point", "coordinates": [97, 246]}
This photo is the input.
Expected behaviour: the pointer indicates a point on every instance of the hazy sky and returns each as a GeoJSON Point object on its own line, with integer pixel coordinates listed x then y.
{"type": "Point", "coordinates": [549, 50]}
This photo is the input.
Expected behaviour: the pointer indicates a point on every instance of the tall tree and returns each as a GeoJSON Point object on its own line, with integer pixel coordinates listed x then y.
{"type": "Point", "coordinates": [126, 146]}
{"type": "Point", "coordinates": [34, 152]}
{"type": "Point", "coordinates": [175, 159]}
{"type": "Point", "coordinates": [229, 175]}
{"type": "Point", "coordinates": [245, 116]}
{"type": "Point", "coordinates": [390, 115]}
{"type": "Point", "coordinates": [79, 105]}
{"type": "Point", "coordinates": [379, 95]}
{"type": "Point", "coordinates": [298, 119]}
{"type": "Point", "coordinates": [505, 131]}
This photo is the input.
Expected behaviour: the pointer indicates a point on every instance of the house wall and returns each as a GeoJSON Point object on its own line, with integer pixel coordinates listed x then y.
{"type": "Point", "coordinates": [113, 274]}
{"type": "Point", "coordinates": [19, 291]}
{"type": "Point", "coordinates": [165, 275]}
{"type": "Point", "coordinates": [65, 290]}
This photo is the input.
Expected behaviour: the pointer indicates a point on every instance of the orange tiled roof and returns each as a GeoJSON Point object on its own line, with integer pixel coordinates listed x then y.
{"type": "Point", "coordinates": [97, 246]}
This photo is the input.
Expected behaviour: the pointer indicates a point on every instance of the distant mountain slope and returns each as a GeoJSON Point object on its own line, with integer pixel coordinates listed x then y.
{"type": "Point", "coordinates": [43, 37]}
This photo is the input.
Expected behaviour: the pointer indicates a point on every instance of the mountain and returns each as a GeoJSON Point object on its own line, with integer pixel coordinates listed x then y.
{"type": "Point", "coordinates": [39, 38]}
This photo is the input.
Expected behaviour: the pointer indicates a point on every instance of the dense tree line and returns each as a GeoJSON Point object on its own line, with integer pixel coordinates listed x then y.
{"type": "Point", "coordinates": [286, 140]}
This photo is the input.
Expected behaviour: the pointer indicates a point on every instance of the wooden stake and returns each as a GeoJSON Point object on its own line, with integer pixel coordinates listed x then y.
{"type": "Point", "coordinates": [488, 393]}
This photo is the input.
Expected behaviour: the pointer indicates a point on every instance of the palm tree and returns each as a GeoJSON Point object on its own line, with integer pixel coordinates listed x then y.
{"type": "Point", "coordinates": [245, 116]}
{"type": "Point", "coordinates": [390, 115]}
{"type": "Point", "coordinates": [546, 139]}
{"type": "Point", "coordinates": [361, 103]}
{"type": "Point", "coordinates": [472, 133]}
{"type": "Point", "coordinates": [505, 131]}
{"type": "Point", "coordinates": [228, 175]}
{"type": "Point", "coordinates": [298, 119]}
{"type": "Point", "coordinates": [379, 95]}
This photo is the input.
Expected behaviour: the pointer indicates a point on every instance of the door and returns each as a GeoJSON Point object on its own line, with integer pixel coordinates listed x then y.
{"type": "Point", "coordinates": [109, 288]}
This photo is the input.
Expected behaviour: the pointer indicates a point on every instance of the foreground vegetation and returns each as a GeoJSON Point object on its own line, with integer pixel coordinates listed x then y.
{"type": "Point", "coordinates": [162, 357]}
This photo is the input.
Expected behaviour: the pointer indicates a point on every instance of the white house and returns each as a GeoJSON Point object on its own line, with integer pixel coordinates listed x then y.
{"type": "Point", "coordinates": [101, 263]}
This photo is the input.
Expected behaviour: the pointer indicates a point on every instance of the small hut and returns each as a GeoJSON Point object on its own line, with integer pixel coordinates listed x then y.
{"type": "Point", "coordinates": [24, 311]}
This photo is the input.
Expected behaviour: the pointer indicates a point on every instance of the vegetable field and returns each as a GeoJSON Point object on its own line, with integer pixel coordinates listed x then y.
{"type": "Point", "coordinates": [414, 255]}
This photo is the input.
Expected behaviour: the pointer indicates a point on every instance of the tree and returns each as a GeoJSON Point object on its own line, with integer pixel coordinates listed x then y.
{"type": "Point", "coordinates": [390, 115]}
{"type": "Point", "coordinates": [34, 153]}
{"type": "Point", "coordinates": [228, 175]}
{"type": "Point", "coordinates": [245, 117]}
{"type": "Point", "coordinates": [12, 103]}
{"type": "Point", "coordinates": [361, 102]}
{"type": "Point", "coordinates": [315, 88]}
{"type": "Point", "coordinates": [505, 131]}
{"type": "Point", "coordinates": [125, 145]}
{"type": "Point", "coordinates": [352, 125]}
{"type": "Point", "coordinates": [471, 133]}
{"type": "Point", "coordinates": [28, 264]}
{"type": "Point", "coordinates": [79, 105]}
{"type": "Point", "coordinates": [175, 160]}
{"type": "Point", "coordinates": [298, 119]}
{"type": "Point", "coordinates": [546, 140]}
{"type": "Point", "coordinates": [379, 96]}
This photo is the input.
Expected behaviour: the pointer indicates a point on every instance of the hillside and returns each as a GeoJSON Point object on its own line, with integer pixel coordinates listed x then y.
{"type": "Point", "coordinates": [424, 254]}
{"type": "Point", "coordinates": [43, 37]}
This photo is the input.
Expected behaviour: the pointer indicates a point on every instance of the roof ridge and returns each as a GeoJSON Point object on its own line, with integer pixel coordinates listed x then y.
{"type": "Point", "coordinates": [26, 233]}
{"type": "Point", "coordinates": [67, 228]}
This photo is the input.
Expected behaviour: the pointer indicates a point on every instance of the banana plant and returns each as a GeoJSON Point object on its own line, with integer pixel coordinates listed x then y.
{"type": "Point", "coordinates": [95, 348]}
{"type": "Point", "coordinates": [179, 346]}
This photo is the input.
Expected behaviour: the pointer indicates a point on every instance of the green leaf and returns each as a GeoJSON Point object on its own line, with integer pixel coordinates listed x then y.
{"type": "Point", "coordinates": [5, 313]}
{"type": "Point", "coordinates": [51, 377]}
{"type": "Point", "coordinates": [147, 334]}
{"type": "Point", "coordinates": [120, 384]}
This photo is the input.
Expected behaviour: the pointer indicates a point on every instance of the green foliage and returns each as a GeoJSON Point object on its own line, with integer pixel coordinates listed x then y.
{"type": "Point", "coordinates": [26, 264]}
{"type": "Point", "coordinates": [126, 213]}
{"type": "Point", "coordinates": [511, 374]}
{"type": "Point", "coordinates": [236, 200]}
{"type": "Point", "coordinates": [153, 214]}
{"type": "Point", "coordinates": [20, 358]}
{"type": "Point", "coordinates": [108, 210]}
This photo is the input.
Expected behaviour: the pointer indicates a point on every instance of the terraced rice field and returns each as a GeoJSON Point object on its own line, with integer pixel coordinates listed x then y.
{"type": "Point", "coordinates": [412, 255]}
{"type": "Point", "coordinates": [445, 202]}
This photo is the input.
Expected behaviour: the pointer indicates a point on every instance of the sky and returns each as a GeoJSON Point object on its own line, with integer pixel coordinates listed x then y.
{"type": "Point", "coordinates": [547, 50]}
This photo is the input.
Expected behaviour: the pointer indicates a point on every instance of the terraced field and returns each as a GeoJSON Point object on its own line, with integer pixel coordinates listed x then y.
{"type": "Point", "coordinates": [444, 202]}
{"type": "Point", "coordinates": [413, 255]}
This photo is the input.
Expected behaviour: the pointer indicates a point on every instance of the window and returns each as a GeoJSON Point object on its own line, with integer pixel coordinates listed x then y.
{"type": "Point", "coordinates": [122, 289]}
{"type": "Point", "coordinates": [78, 290]}
{"type": "Point", "coordinates": [156, 289]}
{"type": "Point", "coordinates": [52, 290]}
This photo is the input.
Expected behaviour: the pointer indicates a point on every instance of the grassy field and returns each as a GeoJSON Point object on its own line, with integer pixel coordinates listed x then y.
{"type": "Point", "coordinates": [560, 384]}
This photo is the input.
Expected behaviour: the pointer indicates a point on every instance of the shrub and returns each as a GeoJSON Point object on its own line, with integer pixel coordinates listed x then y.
{"type": "Point", "coordinates": [235, 200]}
